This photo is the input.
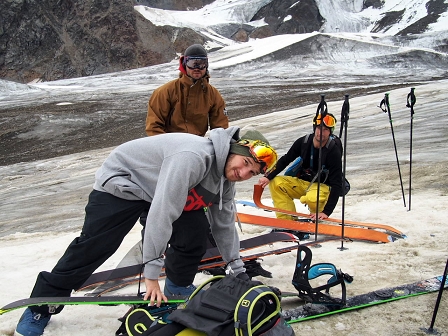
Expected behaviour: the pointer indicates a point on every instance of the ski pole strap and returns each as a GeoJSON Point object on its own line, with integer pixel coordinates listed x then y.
{"type": "Point", "coordinates": [344, 114]}
{"type": "Point", "coordinates": [383, 105]}
{"type": "Point", "coordinates": [322, 108]}
{"type": "Point", "coordinates": [411, 100]}
{"type": "Point", "coordinates": [345, 111]}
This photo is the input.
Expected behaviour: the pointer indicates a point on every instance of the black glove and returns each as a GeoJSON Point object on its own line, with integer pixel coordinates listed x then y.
{"type": "Point", "coordinates": [246, 277]}
{"type": "Point", "coordinates": [253, 269]}
{"type": "Point", "coordinates": [215, 271]}
{"type": "Point", "coordinates": [243, 276]}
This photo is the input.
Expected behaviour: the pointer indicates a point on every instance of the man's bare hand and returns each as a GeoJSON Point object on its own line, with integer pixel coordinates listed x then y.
{"type": "Point", "coordinates": [263, 181]}
{"type": "Point", "coordinates": [153, 293]}
{"type": "Point", "coordinates": [320, 215]}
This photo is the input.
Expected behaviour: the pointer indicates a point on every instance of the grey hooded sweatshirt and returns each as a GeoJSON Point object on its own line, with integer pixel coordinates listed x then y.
{"type": "Point", "coordinates": [176, 172]}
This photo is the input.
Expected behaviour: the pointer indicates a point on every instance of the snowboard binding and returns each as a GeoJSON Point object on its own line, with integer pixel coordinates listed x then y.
{"type": "Point", "coordinates": [319, 295]}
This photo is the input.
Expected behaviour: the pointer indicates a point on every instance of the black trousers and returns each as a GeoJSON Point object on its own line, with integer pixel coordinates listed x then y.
{"type": "Point", "coordinates": [107, 221]}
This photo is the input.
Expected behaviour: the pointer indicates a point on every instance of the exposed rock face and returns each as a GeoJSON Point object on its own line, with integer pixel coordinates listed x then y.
{"type": "Point", "coordinates": [180, 5]}
{"type": "Point", "coordinates": [373, 3]}
{"type": "Point", "coordinates": [434, 8]}
{"type": "Point", "coordinates": [288, 17]}
{"type": "Point", "coordinates": [54, 39]}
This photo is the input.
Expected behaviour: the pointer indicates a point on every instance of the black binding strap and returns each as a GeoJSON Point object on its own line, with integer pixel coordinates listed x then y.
{"type": "Point", "coordinates": [305, 272]}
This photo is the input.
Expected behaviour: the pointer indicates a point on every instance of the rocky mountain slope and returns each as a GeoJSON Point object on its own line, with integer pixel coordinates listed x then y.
{"type": "Point", "coordinates": [56, 39]}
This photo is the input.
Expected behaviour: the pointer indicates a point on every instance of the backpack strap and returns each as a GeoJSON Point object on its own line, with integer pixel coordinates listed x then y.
{"type": "Point", "coordinates": [307, 143]}
{"type": "Point", "coordinates": [296, 166]}
{"type": "Point", "coordinates": [254, 309]}
{"type": "Point", "coordinates": [202, 285]}
{"type": "Point", "coordinates": [142, 322]}
{"type": "Point", "coordinates": [305, 271]}
{"type": "Point", "coordinates": [139, 321]}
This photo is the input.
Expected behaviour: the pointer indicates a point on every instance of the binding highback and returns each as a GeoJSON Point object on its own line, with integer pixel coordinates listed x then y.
{"type": "Point", "coordinates": [304, 272]}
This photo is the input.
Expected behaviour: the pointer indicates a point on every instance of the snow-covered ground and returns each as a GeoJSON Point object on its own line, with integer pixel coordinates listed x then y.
{"type": "Point", "coordinates": [40, 198]}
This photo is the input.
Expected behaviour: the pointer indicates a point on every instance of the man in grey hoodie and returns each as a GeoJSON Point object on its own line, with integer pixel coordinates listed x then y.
{"type": "Point", "coordinates": [176, 175]}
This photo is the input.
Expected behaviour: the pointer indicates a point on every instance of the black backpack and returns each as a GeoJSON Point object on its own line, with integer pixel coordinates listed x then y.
{"type": "Point", "coordinates": [295, 168]}
{"type": "Point", "coordinates": [229, 306]}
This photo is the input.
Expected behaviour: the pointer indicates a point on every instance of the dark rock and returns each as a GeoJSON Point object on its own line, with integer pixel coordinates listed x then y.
{"type": "Point", "coordinates": [288, 17]}
{"type": "Point", "coordinates": [388, 20]}
{"type": "Point", "coordinates": [435, 8]}
{"type": "Point", "coordinates": [373, 3]}
{"type": "Point", "coordinates": [180, 5]}
{"type": "Point", "coordinates": [55, 39]}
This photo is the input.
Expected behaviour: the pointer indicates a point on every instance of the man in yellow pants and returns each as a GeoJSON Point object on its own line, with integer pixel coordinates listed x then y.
{"type": "Point", "coordinates": [302, 184]}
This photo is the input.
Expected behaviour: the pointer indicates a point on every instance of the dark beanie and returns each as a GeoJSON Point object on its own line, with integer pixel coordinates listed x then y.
{"type": "Point", "coordinates": [195, 50]}
{"type": "Point", "coordinates": [235, 148]}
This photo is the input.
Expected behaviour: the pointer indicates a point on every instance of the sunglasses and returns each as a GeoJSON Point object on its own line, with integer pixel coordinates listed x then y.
{"type": "Point", "coordinates": [196, 62]}
{"type": "Point", "coordinates": [262, 153]}
{"type": "Point", "coordinates": [329, 121]}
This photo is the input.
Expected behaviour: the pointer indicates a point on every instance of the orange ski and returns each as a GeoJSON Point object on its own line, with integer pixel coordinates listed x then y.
{"type": "Point", "coordinates": [357, 233]}
{"type": "Point", "coordinates": [258, 191]}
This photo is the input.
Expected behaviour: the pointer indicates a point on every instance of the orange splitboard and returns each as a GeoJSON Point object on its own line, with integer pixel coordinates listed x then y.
{"type": "Point", "coordinates": [357, 233]}
{"type": "Point", "coordinates": [258, 191]}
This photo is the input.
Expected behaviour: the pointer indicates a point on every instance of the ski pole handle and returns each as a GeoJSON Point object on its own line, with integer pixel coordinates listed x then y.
{"type": "Point", "coordinates": [411, 100]}
{"type": "Point", "coordinates": [322, 108]}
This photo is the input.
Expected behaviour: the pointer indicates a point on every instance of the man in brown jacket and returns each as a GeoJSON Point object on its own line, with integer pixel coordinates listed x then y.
{"type": "Point", "coordinates": [188, 104]}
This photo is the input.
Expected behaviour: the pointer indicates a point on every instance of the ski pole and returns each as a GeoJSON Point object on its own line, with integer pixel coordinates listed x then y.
{"type": "Point", "coordinates": [411, 100]}
{"type": "Point", "coordinates": [344, 123]}
{"type": "Point", "coordinates": [384, 105]}
{"type": "Point", "coordinates": [439, 297]}
{"type": "Point", "coordinates": [322, 109]}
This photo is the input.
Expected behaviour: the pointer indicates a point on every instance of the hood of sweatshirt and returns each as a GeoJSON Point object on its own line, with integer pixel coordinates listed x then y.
{"type": "Point", "coordinates": [221, 139]}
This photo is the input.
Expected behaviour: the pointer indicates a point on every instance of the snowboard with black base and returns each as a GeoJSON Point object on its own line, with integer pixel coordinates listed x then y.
{"type": "Point", "coordinates": [320, 303]}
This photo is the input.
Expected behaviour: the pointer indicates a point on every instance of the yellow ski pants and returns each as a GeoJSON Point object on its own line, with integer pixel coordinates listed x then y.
{"type": "Point", "coordinates": [284, 189]}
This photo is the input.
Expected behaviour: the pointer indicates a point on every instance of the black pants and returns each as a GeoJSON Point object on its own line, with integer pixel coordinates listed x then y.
{"type": "Point", "coordinates": [107, 221]}
{"type": "Point", "coordinates": [187, 245]}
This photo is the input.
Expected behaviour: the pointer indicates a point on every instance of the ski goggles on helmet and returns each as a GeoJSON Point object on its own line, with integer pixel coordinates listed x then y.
{"type": "Point", "coordinates": [261, 152]}
{"type": "Point", "coordinates": [196, 62]}
{"type": "Point", "coordinates": [329, 121]}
